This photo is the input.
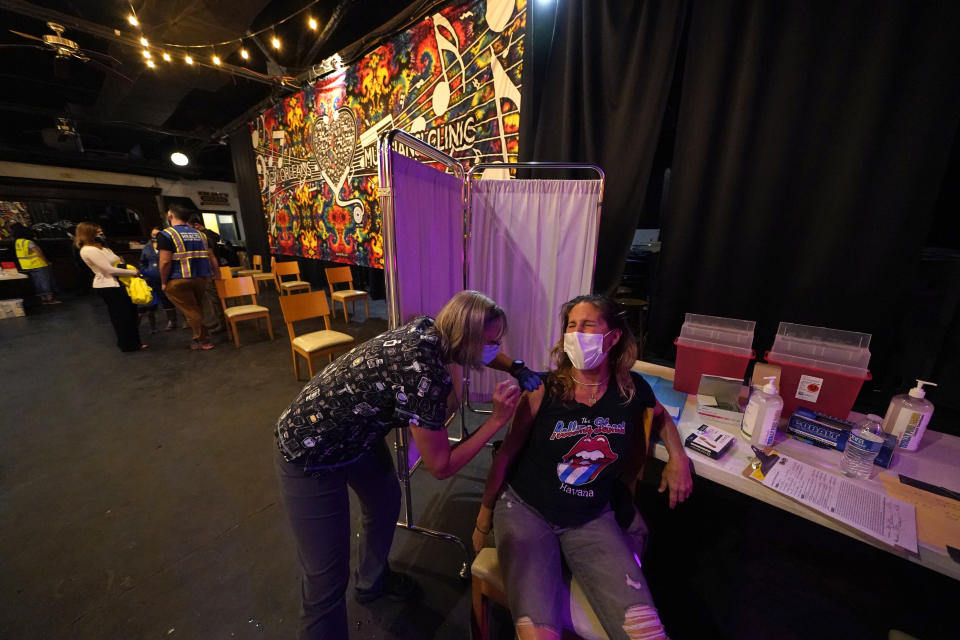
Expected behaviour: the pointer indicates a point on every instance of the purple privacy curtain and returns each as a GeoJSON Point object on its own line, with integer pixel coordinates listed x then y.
{"type": "Point", "coordinates": [533, 247]}
{"type": "Point", "coordinates": [429, 225]}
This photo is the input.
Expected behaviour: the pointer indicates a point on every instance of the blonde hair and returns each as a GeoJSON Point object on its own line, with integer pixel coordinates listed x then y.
{"type": "Point", "coordinates": [621, 356]}
{"type": "Point", "coordinates": [86, 235]}
{"type": "Point", "coordinates": [462, 322]}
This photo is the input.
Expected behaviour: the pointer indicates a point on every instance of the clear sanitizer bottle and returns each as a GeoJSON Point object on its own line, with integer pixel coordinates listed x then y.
{"type": "Point", "coordinates": [762, 415]}
{"type": "Point", "coordinates": [908, 415]}
{"type": "Point", "coordinates": [863, 445]}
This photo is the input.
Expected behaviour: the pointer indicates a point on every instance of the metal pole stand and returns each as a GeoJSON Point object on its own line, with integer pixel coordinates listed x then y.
{"type": "Point", "coordinates": [404, 471]}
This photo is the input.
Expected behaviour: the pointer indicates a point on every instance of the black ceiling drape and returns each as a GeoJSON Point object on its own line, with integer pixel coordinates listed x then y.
{"type": "Point", "coordinates": [812, 140]}
{"type": "Point", "coordinates": [595, 83]}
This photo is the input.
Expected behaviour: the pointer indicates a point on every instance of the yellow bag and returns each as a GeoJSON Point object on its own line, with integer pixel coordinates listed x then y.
{"type": "Point", "coordinates": [137, 288]}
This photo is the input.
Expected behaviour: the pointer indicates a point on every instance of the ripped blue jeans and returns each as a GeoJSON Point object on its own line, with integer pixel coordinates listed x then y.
{"type": "Point", "coordinates": [598, 554]}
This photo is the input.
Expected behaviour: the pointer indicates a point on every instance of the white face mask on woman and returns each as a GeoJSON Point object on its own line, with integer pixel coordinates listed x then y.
{"type": "Point", "coordinates": [585, 350]}
{"type": "Point", "coordinates": [489, 353]}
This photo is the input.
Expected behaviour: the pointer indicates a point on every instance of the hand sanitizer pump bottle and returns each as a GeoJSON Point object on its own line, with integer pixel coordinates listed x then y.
{"type": "Point", "coordinates": [762, 415]}
{"type": "Point", "coordinates": [908, 415]}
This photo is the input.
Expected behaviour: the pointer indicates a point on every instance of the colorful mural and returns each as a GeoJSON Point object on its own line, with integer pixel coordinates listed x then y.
{"type": "Point", "coordinates": [11, 213]}
{"type": "Point", "coordinates": [452, 80]}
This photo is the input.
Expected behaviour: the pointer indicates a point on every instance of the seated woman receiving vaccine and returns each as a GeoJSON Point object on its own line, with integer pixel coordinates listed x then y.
{"type": "Point", "coordinates": [571, 442]}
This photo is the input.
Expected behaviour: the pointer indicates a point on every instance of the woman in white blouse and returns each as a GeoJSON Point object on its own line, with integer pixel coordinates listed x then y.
{"type": "Point", "coordinates": [102, 261]}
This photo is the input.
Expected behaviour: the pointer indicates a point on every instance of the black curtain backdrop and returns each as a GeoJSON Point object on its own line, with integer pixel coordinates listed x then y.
{"type": "Point", "coordinates": [596, 78]}
{"type": "Point", "coordinates": [248, 192]}
{"type": "Point", "coordinates": [811, 144]}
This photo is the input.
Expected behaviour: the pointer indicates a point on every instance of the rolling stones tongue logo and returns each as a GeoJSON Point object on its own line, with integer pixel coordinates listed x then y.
{"type": "Point", "coordinates": [333, 144]}
{"type": "Point", "coordinates": [584, 462]}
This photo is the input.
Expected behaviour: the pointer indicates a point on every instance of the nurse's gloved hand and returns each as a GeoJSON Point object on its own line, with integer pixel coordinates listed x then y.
{"type": "Point", "coordinates": [528, 378]}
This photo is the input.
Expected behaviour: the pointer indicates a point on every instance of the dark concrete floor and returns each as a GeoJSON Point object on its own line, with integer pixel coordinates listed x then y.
{"type": "Point", "coordinates": [138, 493]}
{"type": "Point", "coordinates": [138, 500]}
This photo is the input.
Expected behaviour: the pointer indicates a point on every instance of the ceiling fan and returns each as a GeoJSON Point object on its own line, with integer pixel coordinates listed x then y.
{"type": "Point", "coordinates": [64, 48]}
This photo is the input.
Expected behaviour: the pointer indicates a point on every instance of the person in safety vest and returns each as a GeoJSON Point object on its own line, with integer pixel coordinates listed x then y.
{"type": "Point", "coordinates": [34, 264]}
{"type": "Point", "coordinates": [186, 265]}
{"type": "Point", "coordinates": [213, 298]}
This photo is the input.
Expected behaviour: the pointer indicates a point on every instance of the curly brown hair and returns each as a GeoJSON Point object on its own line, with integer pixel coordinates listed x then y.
{"type": "Point", "coordinates": [621, 358]}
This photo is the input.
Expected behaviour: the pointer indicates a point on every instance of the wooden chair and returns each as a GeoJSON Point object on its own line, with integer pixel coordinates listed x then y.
{"type": "Point", "coordinates": [281, 269]}
{"type": "Point", "coordinates": [236, 288]}
{"type": "Point", "coordinates": [261, 276]}
{"type": "Point", "coordinates": [488, 586]}
{"type": "Point", "coordinates": [315, 343]}
{"type": "Point", "coordinates": [257, 267]}
{"type": "Point", "coordinates": [339, 275]}
{"type": "Point", "coordinates": [257, 273]}
{"type": "Point", "coordinates": [226, 272]}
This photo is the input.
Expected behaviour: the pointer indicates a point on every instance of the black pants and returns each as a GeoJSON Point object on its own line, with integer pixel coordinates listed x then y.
{"type": "Point", "coordinates": [123, 317]}
{"type": "Point", "coordinates": [319, 511]}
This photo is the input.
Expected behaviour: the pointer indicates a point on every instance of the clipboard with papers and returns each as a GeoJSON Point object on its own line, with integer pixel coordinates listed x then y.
{"type": "Point", "coordinates": [845, 501]}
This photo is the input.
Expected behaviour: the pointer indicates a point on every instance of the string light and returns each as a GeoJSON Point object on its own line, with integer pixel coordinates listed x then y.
{"type": "Point", "coordinates": [132, 19]}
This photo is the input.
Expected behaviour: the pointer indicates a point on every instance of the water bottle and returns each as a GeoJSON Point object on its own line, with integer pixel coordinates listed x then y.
{"type": "Point", "coordinates": [863, 445]}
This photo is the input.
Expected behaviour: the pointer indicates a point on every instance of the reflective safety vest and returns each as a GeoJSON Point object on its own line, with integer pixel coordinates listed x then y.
{"type": "Point", "coordinates": [29, 255]}
{"type": "Point", "coordinates": [190, 258]}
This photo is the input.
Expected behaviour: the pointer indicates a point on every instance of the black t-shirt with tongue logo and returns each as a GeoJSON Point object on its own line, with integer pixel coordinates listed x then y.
{"type": "Point", "coordinates": [575, 452]}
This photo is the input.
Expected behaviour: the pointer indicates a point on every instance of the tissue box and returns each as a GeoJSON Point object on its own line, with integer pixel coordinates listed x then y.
{"type": "Point", "coordinates": [718, 402]}
{"type": "Point", "coordinates": [709, 441]}
{"type": "Point", "coordinates": [11, 308]}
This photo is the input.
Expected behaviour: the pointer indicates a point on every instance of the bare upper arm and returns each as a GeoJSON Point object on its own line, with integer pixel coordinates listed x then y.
{"type": "Point", "coordinates": [519, 431]}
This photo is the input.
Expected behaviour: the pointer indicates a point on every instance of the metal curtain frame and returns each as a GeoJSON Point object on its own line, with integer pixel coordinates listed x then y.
{"type": "Point", "coordinates": [389, 226]}
{"type": "Point", "coordinates": [391, 278]}
{"type": "Point", "coordinates": [393, 289]}
{"type": "Point", "coordinates": [468, 233]}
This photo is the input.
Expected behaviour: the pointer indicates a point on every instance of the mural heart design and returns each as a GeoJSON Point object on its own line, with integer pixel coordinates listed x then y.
{"type": "Point", "coordinates": [334, 144]}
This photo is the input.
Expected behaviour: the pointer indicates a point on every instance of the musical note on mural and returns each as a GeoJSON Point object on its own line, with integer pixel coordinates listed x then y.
{"type": "Point", "coordinates": [318, 173]}
{"type": "Point", "coordinates": [419, 124]}
{"type": "Point", "coordinates": [503, 88]}
{"type": "Point", "coordinates": [280, 138]}
{"type": "Point", "coordinates": [498, 14]}
{"type": "Point", "coordinates": [257, 132]}
{"type": "Point", "coordinates": [441, 92]}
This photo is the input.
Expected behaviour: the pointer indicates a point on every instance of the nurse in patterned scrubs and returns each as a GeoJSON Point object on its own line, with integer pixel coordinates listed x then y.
{"type": "Point", "coordinates": [332, 437]}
